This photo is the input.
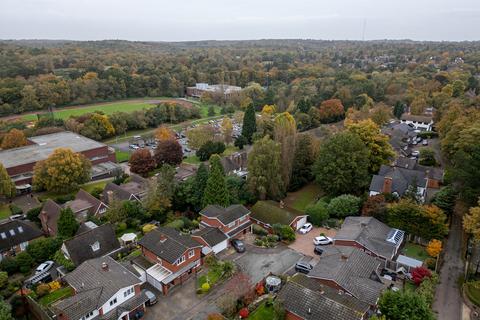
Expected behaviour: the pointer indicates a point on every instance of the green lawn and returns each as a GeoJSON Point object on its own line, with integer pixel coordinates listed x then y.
{"type": "Point", "coordinates": [122, 156]}
{"type": "Point", "coordinates": [230, 150]}
{"type": "Point", "coordinates": [264, 312]}
{"type": "Point", "coordinates": [4, 211]}
{"type": "Point", "coordinates": [107, 108]}
{"type": "Point", "coordinates": [99, 184]}
{"type": "Point", "coordinates": [56, 295]}
{"type": "Point", "coordinates": [302, 198]}
{"type": "Point", "coordinates": [204, 110]}
{"type": "Point", "coordinates": [192, 160]}
{"type": "Point", "coordinates": [87, 187]}
{"type": "Point", "coordinates": [473, 293]}
{"type": "Point", "coordinates": [415, 251]}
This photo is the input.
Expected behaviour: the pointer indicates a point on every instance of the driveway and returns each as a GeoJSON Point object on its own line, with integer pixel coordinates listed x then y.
{"type": "Point", "coordinates": [304, 242]}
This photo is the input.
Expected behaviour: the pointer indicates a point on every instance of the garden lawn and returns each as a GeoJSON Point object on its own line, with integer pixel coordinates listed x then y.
{"type": "Point", "coordinates": [122, 156]}
{"type": "Point", "coordinates": [192, 160]}
{"type": "Point", "coordinates": [302, 198]}
{"type": "Point", "coordinates": [230, 150]}
{"type": "Point", "coordinates": [107, 108]}
{"type": "Point", "coordinates": [263, 312]}
{"type": "Point", "coordinates": [87, 187]}
{"type": "Point", "coordinates": [473, 293]}
{"type": "Point", "coordinates": [415, 251]}
{"type": "Point", "coordinates": [56, 295]}
{"type": "Point", "coordinates": [213, 275]}
{"type": "Point", "coordinates": [4, 211]}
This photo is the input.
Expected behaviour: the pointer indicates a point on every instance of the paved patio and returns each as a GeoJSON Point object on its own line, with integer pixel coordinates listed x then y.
{"type": "Point", "coordinates": [304, 242]}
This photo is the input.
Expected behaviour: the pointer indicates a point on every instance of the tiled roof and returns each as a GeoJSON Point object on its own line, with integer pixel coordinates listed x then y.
{"type": "Point", "coordinates": [126, 306]}
{"type": "Point", "coordinates": [13, 233]}
{"type": "Point", "coordinates": [168, 243]}
{"type": "Point", "coordinates": [411, 117]}
{"type": "Point", "coordinates": [51, 210]}
{"type": "Point", "coordinates": [80, 247]}
{"type": "Point", "coordinates": [84, 200]}
{"type": "Point", "coordinates": [316, 305]}
{"type": "Point", "coordinates": [94, 286]}
{"type": "Point", "coordinates": [401, 179]}
{"type": "Point", "coordinates": [356, 272]}
{"type": "Point", "coordinates": [225, 215]}
{"type": "Point", "coordinates": [270, 212]}
{"type": "Point", "coordinates": [211, 235]}
{"type": "Point", "coordinates": [370, 233]}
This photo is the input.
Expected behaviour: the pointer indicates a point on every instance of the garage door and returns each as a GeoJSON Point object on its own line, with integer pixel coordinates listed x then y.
{"type": "Point", "coordinates": [220, 247]}
{"type": "Point", "coordinates": [301, 222]}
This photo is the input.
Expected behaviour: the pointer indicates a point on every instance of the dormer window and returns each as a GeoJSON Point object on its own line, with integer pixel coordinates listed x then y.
{"type": "Point", "coordinates": [3, 235]}
{"type": "Point", "coordinates": [12, 232]}
{"type": "Point", "coordinates": [20, 229]}
{"type": "Point", "coordinates": [95, 246]}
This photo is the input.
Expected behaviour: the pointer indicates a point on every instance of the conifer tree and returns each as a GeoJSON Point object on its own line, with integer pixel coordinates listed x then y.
{"type": "Point", "coordinates": [216, 191]}
{"type": "Point", "coordinates": [249, 123]}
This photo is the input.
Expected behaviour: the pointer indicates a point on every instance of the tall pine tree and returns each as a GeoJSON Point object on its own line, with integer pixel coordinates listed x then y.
{"type": "Point", "coordinates": [199, 184]}
{"type": "Point", "coordinates": [249, 123]}
{"type": "Point", "coordinates": [216, 191]}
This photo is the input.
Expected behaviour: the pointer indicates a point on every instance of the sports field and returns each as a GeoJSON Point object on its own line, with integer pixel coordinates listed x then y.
{"type": "Point", "coordinates": [107, 108]}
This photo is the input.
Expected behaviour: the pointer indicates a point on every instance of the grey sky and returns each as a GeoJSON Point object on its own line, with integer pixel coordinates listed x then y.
{"type": "Point", "coordinates": [176, 20]}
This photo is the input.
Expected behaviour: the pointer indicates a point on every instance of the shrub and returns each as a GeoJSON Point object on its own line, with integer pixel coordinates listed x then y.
{"type": "Point", "coordinates": [65, 198]}
{"type": "Point", "coordinates": [318, 213]}
{"type": "Point", "coordinates": [121, 226]}
{"type": "Point", "coordinates": [15, 209]}
{"type": "Point", "coordinates": [215, 316]}
{"type": "Point", "coordinates": [332, 223]}
{"type": "Point", "coordinates": [430, 262]}
{"type": "Point", "coordinates": [42, 290]}
{"type": "Point", "coordinates": [258, 230]}
{"type": "Point", "coordinates": [205, 287]}
{"type": "Point", "coordinates": [419, 274]}
{"type": "Point", "coordinates": [344, 206]}
{"type": "Point", "coordinates": [96, 192]}
{"type": "Point", "coordinates": [148, 227]}
{"type": "Point", "coordinates": [176, 224]}
{"type": "Point", "coordinates": [9, 265]}
{"type": "Point", "coordinates": [210, 148]}
{"type": "Point", "coordinates": [25, 262]}
{"type": "Point", "coordinates": [211, 261]}
{"type": "Point", "coordinates": [243, 313]}
{"type": "Point", "coordinates": [285, 232]}
{"type": "Point", "coordinates": [32, 214]}
{"type": "Point", "coordinates": [427, 288]}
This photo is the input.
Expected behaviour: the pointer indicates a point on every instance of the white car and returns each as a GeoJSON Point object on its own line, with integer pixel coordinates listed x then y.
{"type": "Point", "coordinates": [306, 228]}
{"type": "Point", "coordinates": [322, 240]}
{"type": "Point", "coordinates": [415, 153]}
{"type": "Point", "coordinates": [47, 265]}
{"type": "Point", "coordinates": [134, 147]}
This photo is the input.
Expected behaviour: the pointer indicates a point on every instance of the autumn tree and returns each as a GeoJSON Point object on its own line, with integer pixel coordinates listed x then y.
{"type": "Point", "coordinates": [227, 129]}
{"type": "Point", "coordinates": [198, 136]}
{"type": "Point", "coordinates": [342, 165]}
{"type": "Point", "coordinates": [285, 131]}
{"type": "Point", "coordinates": [13, 139]}
{"type": "Point", "coordinates": [168, 151]}
{"type": "Point", "coordinates": [269, 110]}
{"type": "Point", "coordinates": [142, 162]}
{"type": "Point", "coordinates": [7, 187]}
{"type": "Point", "coordinates": [264, 170]}
{"type": "Point", "coordinates": [434, 248]}
{"type": "Point", "coordinates": [381, 114]}
{"type": "Point", "coordinates": [471, 222]}
{"type": "Point", "coordinates": [164, 133]}
{"type": "Point", "coordinates": [249, 123]}
{"type": "Point", "coordinates": [379, 149]}
{"type": "Point", "coordinates": [330, 111]}
{"type": "Point", "coordinates": [160, 192]}
{"type": "Point", "coordinates": [375, 206]}
{"type": "Point", "coordinates": [67, 225]}
{"type": "Point", "coordinates": [98, 127]}
{"type": "Point", "coordinates": [63, 171]}
{"type": "Point", "coordinates": [216, 191]}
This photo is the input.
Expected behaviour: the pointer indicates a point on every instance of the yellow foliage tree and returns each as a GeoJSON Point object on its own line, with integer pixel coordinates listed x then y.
{"type": "Point", "coordinates": [269, 109]}
{"type": "Point", "coordinates": [148, 227]}
{"type": "Point", "coordinates": [471, 222]}
{"type": "Point", "coordinates": [63, 171]}
{"type": "Point", "coordinates": [14, 139]}
{"type": "Point", "coordinates": [164, 133]}
{"type": "Point", "coordinates": [227, 129]}
{"type": "Point", "coordinates": [434, 248]}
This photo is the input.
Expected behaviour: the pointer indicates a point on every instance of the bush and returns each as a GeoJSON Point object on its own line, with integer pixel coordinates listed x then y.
{"type": "Point", "coordinates": [427, 288]}
{"type": "Point", "coordinates": [332, 223]}
{"type": "Point", "coordinates": [9, 265]}
{"type": "Point", "coordinates": [430, 262]}
{"type": "Point", "coordinates": [60, 259]}
{"type": "Point", "coordinates": [205, 287]}
{"type": "Point", "coordinates": [318, 213]}
{"type": "Point", "coordinates": [25, 262]}
{"type": "Point", "coordinates": [427, 134]}
{"type": "Point", "coordinates": [96, 192]}
{"type": "Point", "coordinates": [259, 231]}
{"type": "Point", "coordinates": [427, 157]}
{"type": "Point", "coordinates": [32, 214]}
{"type": "Point", "coordinates": [210, 148]}
{"type": "Point", "coordinates": [147, 228]}
{"type": "Point", "coordinates": [285, 232]}
{"type": "Point", "coordinates": [176, 224]}
{"type": "Point", "coordinates": [42, 290]}
{"type": "Point", "coordinates": [121, 226]}
{"type": "Point", "coordinates": [15, 209]}
{"type": "Point", "coordinates": [240, 142]}
{"type": "Point", "coordinates": [419, 274]}
{"type": "Point", "coordinates": [65, 198]}
{"type": "Point", "coordinates": [344, 206]}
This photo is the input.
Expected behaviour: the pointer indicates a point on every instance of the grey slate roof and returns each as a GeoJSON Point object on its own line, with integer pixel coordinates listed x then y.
{"type": "Point", "coordinates": [225, 215]}
{"type": "Point", "coordinates": [80, 247]}
{"type": "Point", "coordinates": [84, 200]}
{"type": "Point", "coordinates": [370, 233]}
{"type": "Point", "coordinates": [411, 117]}
{"type": "Point", "coordinates": [309, 304]}
{"type": "Point", "coordinates": [13, 233]}
{"type": "Point", "coordinates": [401, 179]}
{"type": "Point", "coordinates": [126, 306]}
{"type": "Point", "coordinates": [44, 145]}
{"type": "Point", "coordinates": [356, 272]}
{"type": "Point", "coordinates": [137, 186]}
{"type": "Point", "coordinates": [168, 243]}
{"type": "Point", "coordinates": [51, 211]}
{"type": "Point", "coordinates": [94, 286]}
{"type": "Point", "coordinates": [211, 235]}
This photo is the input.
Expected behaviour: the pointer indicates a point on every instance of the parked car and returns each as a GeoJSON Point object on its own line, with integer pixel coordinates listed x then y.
{"type": "Point", "coordinates": [238, 245]}
{"type": "Point", "coordinates": [318, 250]}
{"type": "Point", "coordinates": [425, 142]}
{"type": "Point", "coordinates": [45, 277]}
{"type": "Point", "coordinates": [47, 265]}
{"type": "Point", "coordinates": [17, 217]}
{"type": "Point", "coordinates": [133, 146]}
{"type": "Point", "coordinates": [419, 139]}
{"type": "Point", "coordinates": [306, 228]}
{"type": "Point", "coordinates": [322, 240]}
{"type": "Point", "coordinates": [415, 153]}
{"type": "Point", "coordinates": [303, 267]}
{"type": "Point", "coordinates": [152, 298]}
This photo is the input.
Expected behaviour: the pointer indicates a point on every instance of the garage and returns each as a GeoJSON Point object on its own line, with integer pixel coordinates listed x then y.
{"type": "Point", "coordinates": [301, 222]}
{"type": "Point", "coordinates": [220, 247]}
{"type": "Point", "coordinates": [212, 238]}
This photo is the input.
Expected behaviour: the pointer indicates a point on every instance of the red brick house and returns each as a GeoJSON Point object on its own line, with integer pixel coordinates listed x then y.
{"type": "Point", "coordinates": [20, 162]}
{"type": "Point", "coordinates": [16, 235]}
{"type": "Point", "coordinates": [173, 257]}
{"type": "Point", "coordinates": [104, 289]}
{"type": "Point", "coordinates": [83, 205]}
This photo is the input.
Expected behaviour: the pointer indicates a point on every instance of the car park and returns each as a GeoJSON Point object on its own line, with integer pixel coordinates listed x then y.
{"type": "Point", "coordinates": [238, 245]}
{"type": "Point", "coordinates": [44, 267]}
{"type": "Point", "coordinates": [322, 240]}
{"type": "Point", "coordinates": [303, 267]}
{"type": "Point", "coordinates": [306, 228]}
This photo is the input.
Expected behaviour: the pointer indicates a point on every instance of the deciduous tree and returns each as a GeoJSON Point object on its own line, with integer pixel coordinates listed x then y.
{"type": "Point", "coordinates": [142, 162]}
{"type": "Point", "coordinates": [168, 151]}
{"type": "Point", "coordinates": [434, 248]}
{"type": "Point", "coordinates": [160, 192]}
{"type": "Point", "coordinates": [471, 222]}
{"type": "Point", "coordinates": [13, 139]}
{"type": "Point", "coordinates": [227, 129]}
{"type": "Point", "coordinates": [198, 136]}
{"type": "Point", "coordinates": [7, 187]}
{"type": "Point", "coordinates": [67, 225]}
{"type": "Point", "coordinates": [285, 132]}
{"type": "Point", "coordinates": [403, 305]}
{"type": "Point", "coordinates": [344, 206]}
{"type": "Point", "coordinates": [164, 133]}
{"type": "Point", "coordinates": [303, 160]}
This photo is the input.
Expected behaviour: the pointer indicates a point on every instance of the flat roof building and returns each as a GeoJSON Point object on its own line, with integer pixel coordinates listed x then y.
{"type": "Point", "coordinates": [20, 162]}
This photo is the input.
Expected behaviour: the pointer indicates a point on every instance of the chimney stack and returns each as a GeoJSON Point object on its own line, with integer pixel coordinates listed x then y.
{"type": "Point", "coordinates": [387, 185]}
{"type": "Point", "coordinates": [104, 266]}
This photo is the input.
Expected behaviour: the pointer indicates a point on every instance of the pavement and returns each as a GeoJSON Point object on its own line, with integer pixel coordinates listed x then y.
{"type": "Point", "coordinates": [448, 303]}
{"type": "Point", "coordinates": [304, 242]}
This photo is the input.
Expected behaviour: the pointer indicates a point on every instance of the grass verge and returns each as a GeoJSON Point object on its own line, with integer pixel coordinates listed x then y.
{"type": "Point", "coordinates": [4, 211]}
{"type": "Point", "coordinates": [122, 156]}
{"type": "Point", "coordinates": [56, 295]}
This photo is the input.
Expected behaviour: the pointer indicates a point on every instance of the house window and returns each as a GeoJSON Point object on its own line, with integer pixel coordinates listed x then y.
{"type": "Point", "coordinates": [128, 292]}
{"type": "Point", "coordinates": [20, 229]}
{"type": "Point", "coordinates": [103, 210]}
{"type": "Point", "coordinates": [88, 315]}
{"type": "Point", "coordinates": [113, 301]}
{"type": "Point", "coordinates": [231, 224]}
{"type": "Point", "coordinates": [191, 253]}
{"type": "Point", "coordinates": [12, 232]}
{"type": "Point", "coordinates": [180, 260]}
{"type": "Point", "coordinates": [95, 246]}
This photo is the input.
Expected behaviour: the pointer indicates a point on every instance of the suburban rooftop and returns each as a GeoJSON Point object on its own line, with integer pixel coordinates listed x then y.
{"type": "Point", "coordinates": [44, 146]}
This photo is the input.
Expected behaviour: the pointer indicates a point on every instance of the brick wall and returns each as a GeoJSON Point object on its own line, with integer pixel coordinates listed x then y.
{"type": "Point", "coordinates": [172, 267]}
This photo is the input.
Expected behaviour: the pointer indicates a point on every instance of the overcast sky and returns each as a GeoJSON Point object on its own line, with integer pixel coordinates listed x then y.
{"type": "Point", "coordinates": [178, 20]}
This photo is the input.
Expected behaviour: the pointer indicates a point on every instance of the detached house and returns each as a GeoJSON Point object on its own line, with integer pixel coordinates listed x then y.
{"type": "Point", "coordinates": [371, 236]}
{"type": "Point", "coordinates": [135, 189]}
{"type": "Point", "coordinates": [418, 122]}
{"type": "Point", "coordinates": [15, 236]}
{"type": "Point", "coordinates": [93, 243]}
{"type": "Point", "coordinates": [350, 271]}
{"type": "Point", "coordinates": [232, 221]}
{"type": "Point", "coordinates": [171, 258]}
{"type": "Point", "coordinates": [268, 213]}
{"type": "Point", "coordinates": [83, 205]}
{"type": "Point", "coordinates": [104, 290]}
